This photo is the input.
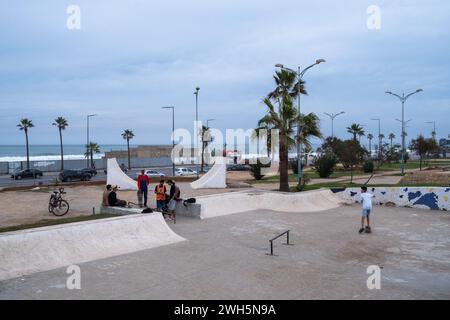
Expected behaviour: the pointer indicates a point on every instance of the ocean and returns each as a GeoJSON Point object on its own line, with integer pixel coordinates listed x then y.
{"type": "Point", "coordinates": [10, 153]}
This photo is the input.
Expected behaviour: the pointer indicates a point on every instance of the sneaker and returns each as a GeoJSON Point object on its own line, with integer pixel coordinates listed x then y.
{"type": "Point", "coordinates": [361, 230]}
{"type": "Point", "coordinates": [368, 230]}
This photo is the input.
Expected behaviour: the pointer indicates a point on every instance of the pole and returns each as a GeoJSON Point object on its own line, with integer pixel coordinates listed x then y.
{"type": "Point", "coordinates": [87, 143]}
{"type": "Point", "coordinates": [173, 140]}
{"type": "Point", "coordinates": [196, 128]}
{"type": "Point", "coordinates": [403, 135]}
{"type": "Point", "coordinates": [332, 127]}
{"type": "Point", "coordinates": [299, 157]}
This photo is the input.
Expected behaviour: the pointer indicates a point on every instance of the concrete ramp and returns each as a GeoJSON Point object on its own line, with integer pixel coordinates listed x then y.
{"type": "Point", "coordinates": [35, 250]}
{"type": "Point", "coordinates": [115, 176]}
{"type": "Point", "coordinates": [235, 202]}
{"type": "Point", "coordinates": [214, 178]}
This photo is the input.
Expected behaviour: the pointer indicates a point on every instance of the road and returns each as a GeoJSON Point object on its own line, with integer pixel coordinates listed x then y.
{"type": "Point", "coordinates": [6, 181]}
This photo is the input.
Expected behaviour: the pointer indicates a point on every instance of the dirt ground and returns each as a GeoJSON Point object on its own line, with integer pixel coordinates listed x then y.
{"type": "Point", "coordinates": [28, 206]}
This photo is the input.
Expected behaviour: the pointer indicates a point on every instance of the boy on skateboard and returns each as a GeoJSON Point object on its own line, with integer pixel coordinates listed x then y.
{"type": "Point", "coordinates": [366, 201]}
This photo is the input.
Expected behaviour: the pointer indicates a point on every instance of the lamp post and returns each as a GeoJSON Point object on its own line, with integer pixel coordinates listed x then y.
{"type": "Point", "coordinates": [433, 134]}
{"type": "Point", "coordinates": [87, 138]}
{"type": "Point", "coordinates": [332, 117]}
{"type": "Point", "coordinates": [379, 138]}
{"type": "Point", "coordinates": [403, 99]}
{"type": "Point", "coordinates": [173, 136]}
{"type": "Point", "coordinates": [197, 89]}
{"type": "Point", "coordinates": [299, 73]}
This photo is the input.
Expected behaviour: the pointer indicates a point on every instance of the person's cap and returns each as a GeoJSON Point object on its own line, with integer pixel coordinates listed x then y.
{"type": "Point", "coordinates": [115, 186]}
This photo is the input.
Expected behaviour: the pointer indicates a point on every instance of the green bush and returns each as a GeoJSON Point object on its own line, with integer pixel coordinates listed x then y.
{"type": "Point", "coordinates": [368, 167]}
{"type": "Point", "coordinates": [324, 164]}
{"type": "Point", "coordinates": [255, 170]}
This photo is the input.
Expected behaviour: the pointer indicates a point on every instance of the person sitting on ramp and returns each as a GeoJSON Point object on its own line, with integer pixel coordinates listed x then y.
{"type": "Point", "coordinates": [113, 200]}
{"type": "Point", "coordinates": [105, 200]}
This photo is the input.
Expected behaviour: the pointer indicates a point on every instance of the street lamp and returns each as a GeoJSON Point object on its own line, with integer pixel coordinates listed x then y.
{"type": "Point", "coordinates": [299, 73]}
{"type": "Point", "coordinates": [197, 89]}
{"type": "Point", "coordinates": [207, 122]}
{"type": "Point", "coordinates": [433, 134]}
{"type": "Point", "coordinates": [87, 138]}
{"type": "Point", "coordinates": [379, 137]}
{"type": "Point", "coordinates": [332, 116]}
{"type": "Point", "coordinates": [403, 99]}
{"type": "Point", "coordinates": [173, 137]}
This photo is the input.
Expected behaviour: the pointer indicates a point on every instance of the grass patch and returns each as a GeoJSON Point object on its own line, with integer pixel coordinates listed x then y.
{"type": "Point", "coordinates": [53, 222]}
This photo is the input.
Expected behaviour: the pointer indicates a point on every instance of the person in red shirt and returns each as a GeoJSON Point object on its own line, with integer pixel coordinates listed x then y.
{"type": "Point", "coordinates": [143, 182]}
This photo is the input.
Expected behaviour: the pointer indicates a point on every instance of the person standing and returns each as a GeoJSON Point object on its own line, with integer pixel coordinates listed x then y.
{"type": "Point", "coordinates": [143, 182]}
{"type": "Point", "coordinates": [174, 196]}
{"type": "Point", "coordinates": [160, 191]}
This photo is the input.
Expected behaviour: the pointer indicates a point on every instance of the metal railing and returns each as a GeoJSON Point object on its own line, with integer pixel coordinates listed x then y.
{"type": "Point", "coordinates": [278, 236]}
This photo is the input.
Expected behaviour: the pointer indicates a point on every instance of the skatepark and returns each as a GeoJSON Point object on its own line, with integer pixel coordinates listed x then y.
{"type": "Point", "coordinates": [219, 249]}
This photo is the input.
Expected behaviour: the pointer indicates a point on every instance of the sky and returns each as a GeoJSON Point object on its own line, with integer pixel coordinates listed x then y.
{"type": "Point", "coordinates": [130, 58]}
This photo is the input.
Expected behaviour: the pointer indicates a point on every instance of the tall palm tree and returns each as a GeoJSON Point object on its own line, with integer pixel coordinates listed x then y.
{"type": "Point", "coordinates": [370, 137]}
{"type": "Point", "coordinates": [391, 137]}
{"type": "Point", "coordinates": [356, 130]}
{"type": "Point", "coordinates": [91, 149]}
{"type": "Point", "coordinates": [61, 124]}
{"type": "Point", "coordinates": [128, 135]}
{"type": "Point", "coordinates": [287, 85]}
{"type": "Point", "coordinates": [24, 125]}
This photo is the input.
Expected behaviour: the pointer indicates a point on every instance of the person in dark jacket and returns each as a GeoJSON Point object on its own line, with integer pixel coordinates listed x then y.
{"type": "Point", "coordinates": [113, 200]}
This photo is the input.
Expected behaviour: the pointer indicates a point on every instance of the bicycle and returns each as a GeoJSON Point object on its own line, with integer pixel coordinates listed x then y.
{"type": "Point", "coordinates": [57, 205]}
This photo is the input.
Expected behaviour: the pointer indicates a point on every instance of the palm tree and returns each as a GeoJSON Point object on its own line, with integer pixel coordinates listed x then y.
{"type": "Point", "coordinates": [370, 137]}
{"type": "Point", "coordinates": [24, 125]}
{"type": "Point", "coordinates": [356, 130]}
{"type": "Point", "coordinates": [391, 137]}
{"type": "Point", "coordinates": [91, 148]}
{"type": "Point", "coordinates": [61, 124]}
{"type": "Point", "coordinates": [128, 135]}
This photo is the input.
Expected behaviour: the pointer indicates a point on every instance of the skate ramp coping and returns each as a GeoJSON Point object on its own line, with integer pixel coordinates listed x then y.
{"type": "Point", "coordinates": [41, 249]}
{"type": "Point", "coordinates": [115, 176]}
{"type": "Point", "coordinates": [235, 202]}
{"type": "Point", "coordinates": [214, 178]}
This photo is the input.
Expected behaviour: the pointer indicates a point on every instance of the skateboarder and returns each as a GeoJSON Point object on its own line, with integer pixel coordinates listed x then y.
{"type": "Point", "coordinates": [366, 201]}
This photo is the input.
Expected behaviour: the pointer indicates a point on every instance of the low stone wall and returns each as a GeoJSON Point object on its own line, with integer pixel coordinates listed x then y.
{"type": "Point", "coordinates": [433, 198]}
{"type": "Point", "coordinates": [192, 210]}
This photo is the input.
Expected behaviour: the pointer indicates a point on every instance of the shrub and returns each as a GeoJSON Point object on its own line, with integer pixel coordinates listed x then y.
{"type": "Point", "coordinates": [255, 170]}
{"type": "Point", "coordinates": [368, 167]}
{"type": "Point", "coordinates": [324, 164]}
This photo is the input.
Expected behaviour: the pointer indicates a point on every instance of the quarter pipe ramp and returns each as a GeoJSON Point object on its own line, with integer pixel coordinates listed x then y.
{"type": "Point", "coordinates": [115, 176]}
{"type": "Point", "coordinates": [35, 250]}
{"type": "Point", "coordinates": [214, 178]}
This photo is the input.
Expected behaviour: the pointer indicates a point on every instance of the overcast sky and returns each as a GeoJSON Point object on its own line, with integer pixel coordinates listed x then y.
{"type": "Point", "coordinates": [132, 57]}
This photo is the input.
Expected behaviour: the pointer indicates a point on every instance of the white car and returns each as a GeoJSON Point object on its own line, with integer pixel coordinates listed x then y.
{"type": "Point", "coordinates": [153, 173]}
{"type": "Point", "coordinates": [185, 172]}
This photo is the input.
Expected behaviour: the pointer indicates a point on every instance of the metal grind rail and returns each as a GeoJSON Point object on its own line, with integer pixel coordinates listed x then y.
{"type": "Point", "coordinates": [278, 236]}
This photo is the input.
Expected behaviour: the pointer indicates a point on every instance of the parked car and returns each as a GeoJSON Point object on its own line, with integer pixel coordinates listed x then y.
{"type": "Point", "coordinates": [92, 171]}
{"type": "Point", "coordinates": [27, 173]}
{"type": "Point", "coordinates": [153, 173]}
{"type": "Point", "coordinates": [238, 167]}
{"type": "Point", "coordinates": [70, 175]}
{"type": "Point", "coordinates": [185, 172]}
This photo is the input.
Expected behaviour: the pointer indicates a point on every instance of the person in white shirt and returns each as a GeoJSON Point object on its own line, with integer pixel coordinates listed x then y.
{"type": "Point", "coordinates": [366, 201]}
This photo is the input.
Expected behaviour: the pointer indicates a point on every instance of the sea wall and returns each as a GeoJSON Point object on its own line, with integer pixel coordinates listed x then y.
{"type": "Point", "coordinates": [433, 198]}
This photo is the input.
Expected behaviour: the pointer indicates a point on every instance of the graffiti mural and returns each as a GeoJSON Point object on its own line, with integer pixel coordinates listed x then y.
{"type": "Point", "coordinates": [433, 198]}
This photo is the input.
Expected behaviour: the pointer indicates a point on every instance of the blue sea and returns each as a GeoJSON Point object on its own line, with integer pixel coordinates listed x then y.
{"type": "Point", "coordinates": [50, 152]}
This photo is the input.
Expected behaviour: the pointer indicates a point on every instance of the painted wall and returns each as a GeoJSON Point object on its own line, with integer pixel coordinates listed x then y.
{"type": "Point", "coordinates": [434, 198]}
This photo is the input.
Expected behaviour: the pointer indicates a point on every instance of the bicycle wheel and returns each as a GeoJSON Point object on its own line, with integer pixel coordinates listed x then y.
{"type": "Point", "coordinates": [61, 209]}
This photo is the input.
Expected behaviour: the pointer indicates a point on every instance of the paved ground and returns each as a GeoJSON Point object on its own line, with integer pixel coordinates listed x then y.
{"type": "Point", "coordinates": [225, 258]}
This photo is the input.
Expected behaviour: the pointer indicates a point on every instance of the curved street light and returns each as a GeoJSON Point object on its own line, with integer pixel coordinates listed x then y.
{"type": "Point", "coordinates": [403, 99]}
{"type": "Point", "coordinates": [332, 117]}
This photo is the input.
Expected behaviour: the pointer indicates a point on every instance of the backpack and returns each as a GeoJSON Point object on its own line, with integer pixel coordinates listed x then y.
{"type": "Point", "coordinates": [188, 201]}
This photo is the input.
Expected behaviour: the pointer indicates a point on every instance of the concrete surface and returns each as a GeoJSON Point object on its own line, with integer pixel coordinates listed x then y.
{"type": "Point", "coordinates": [33, 250]}
{"type": "Point", "coordinates": [225, 258]}
{"type": "Point", "coordinates": [214, 178]}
